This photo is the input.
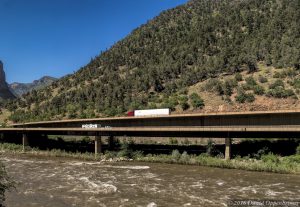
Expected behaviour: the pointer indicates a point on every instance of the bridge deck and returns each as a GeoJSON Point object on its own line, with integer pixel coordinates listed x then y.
{"type": "Point", "coordinates": [223, 131]}
{"type": "Point", "coordinates": [283, 115]}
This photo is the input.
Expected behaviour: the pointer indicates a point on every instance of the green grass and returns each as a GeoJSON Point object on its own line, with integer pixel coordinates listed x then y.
{"type": "Point", "coordinates": [290, 164]}
{"type": "Point", "coordinates": [266, 162]}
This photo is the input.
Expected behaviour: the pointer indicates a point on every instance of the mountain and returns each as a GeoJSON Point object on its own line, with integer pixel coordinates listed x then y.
{"type": "Point", "coordinates": [21, 88]}
{"type": "Point", "coordinates": [5, 93]}
{"type": "Point", "coordinates": [201, 56]}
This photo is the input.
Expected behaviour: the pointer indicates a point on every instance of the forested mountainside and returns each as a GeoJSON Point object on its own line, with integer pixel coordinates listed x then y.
{"type": "Point", "coordinates": [159, 63]}
{"type": "Point", "coordinates": [21, 88]}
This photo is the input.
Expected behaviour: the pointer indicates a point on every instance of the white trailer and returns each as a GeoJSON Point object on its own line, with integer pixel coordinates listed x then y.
{"type": "Point", "coordinates": [152, 112]}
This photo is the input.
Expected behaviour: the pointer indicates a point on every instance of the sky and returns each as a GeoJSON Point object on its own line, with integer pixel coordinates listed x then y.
{"type": "Point", "coordinates": [57, 37]}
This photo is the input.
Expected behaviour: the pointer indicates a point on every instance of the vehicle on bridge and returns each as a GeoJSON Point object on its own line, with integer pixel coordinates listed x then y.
{"type": "Point", "coordinates": [150, 112]}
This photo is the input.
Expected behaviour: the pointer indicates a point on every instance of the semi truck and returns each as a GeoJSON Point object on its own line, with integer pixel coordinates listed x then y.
{"type": "Point", "coordinates": [149, 112]}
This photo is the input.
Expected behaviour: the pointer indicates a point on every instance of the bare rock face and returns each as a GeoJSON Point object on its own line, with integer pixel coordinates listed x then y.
{"type": "Point", "coordinates": [5, 93]}
{"type": "Point", "coordinates": [22, 88]}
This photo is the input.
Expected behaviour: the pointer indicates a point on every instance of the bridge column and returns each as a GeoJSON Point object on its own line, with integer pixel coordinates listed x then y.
{"type": "Point", "coordinates": [227, 148]}
{"type": "Point", "coordinates": [98, 145]}
{"type": "Point", "coordinates": [24, 141]}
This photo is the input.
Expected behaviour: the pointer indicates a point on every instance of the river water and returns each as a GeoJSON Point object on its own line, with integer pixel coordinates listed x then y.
{"type": "Point", "coordinates": [62, 182]}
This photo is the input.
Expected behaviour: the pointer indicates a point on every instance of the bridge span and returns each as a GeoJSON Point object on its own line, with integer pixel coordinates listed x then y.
{"type": "Point", "coordinates": [272, 124]}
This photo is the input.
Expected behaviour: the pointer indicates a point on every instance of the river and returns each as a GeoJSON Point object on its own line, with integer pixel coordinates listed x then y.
{"type": "Point", "coordinates": [63, 182]}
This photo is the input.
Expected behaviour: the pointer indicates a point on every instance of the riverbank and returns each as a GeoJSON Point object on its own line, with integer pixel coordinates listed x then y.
{"type": "Point", "coordinates": [264, 162]}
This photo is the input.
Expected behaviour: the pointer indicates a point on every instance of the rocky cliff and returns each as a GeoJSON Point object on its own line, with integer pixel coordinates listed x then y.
{"type": "Point", "coordinates": [5, 93]}
{"type": "Point", "coordinates": [22, 88]}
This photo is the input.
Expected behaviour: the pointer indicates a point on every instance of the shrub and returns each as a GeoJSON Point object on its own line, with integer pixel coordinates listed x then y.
{"type": "Point", "coordinates": [110, 154]}
{"type": "Point", "coordinates": [228, 87]}
{"type": "Point", "coordinates": [176, 155]}
{"type": "Point", "coordinates": [185, 158]}
{"type": "Point", "coordinates": [258, 90]}
{"type": "Point", "coordinates": [125, 151]}
{"type": "Point", "coordinates": [280, 92]}
{"type": "Point", "coordinates": [243, 97]}
{"type": "Point", "coordinates": [262, 79]}
{"type": "Point", "coordinates": [211, 84]}
{"type": "Point", "coordinates": [183, 101]}
{"type": "Point", "coordinates": [238, 77]}
{"type": "Point", "coordinates": [250, 81]}
{"type": "Point", "coordinates": [210, 147]}
{"type": "Point", "coordinates": [261, 152]}
{"type": "Point", "coordinates": [278, 75]}
{"type": "Point", "coordinates": [196, 101]}
{"type": "Point", "coordinates": [277, 83]}
{"type": "Point", "coordinates": [219, 88]}
{"type": "Point", "coordinates": [173, 141]}
{"type": "Point", "coordinates": [170, 103]}
{"type": "Point", "coordinates": [296, 83]}
{"type": "Point", "coordinates": [270, 157]}
{"type": "Point", "coordinates": [186, 142]}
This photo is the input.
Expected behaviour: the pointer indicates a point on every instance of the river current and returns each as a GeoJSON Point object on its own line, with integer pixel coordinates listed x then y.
{"type": "Point", "coordinates": [63, 182]}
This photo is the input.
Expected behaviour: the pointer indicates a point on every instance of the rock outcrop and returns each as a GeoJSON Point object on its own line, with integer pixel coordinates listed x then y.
{"type": "Point", "coordinates": [5, 92]}
{"type": "Point", "coordinates": [22, 88]}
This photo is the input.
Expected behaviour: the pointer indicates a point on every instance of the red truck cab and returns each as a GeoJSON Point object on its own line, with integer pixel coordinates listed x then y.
{"type": "Point", "coordinates": [130, 113]}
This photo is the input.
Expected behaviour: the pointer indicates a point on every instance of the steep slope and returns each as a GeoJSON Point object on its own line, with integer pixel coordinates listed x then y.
{"type": "Point", "coordinates": [156, 65]}
{"type": "Point", "coordinates": [21, 88]}
{"type": "Point", "coordinates": [5, 93]}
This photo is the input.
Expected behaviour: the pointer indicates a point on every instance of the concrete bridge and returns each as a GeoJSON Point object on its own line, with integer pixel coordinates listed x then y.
{"type": "Point", "coordinates": [272, 124]}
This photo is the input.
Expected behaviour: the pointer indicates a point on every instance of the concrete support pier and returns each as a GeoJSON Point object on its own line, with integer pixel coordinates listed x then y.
{"type": "Point", "coordinates": [24, 142]}
{"type": "Point", "coordinates": [98, 145]}
{"type": "Point", "coordinates": [227, 148]}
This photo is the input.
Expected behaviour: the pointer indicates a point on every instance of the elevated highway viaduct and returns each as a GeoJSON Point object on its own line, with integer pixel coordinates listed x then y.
{"type": "Point", "coordinates": [271, 124]}
{"type": "Point", "coordinates": [269, 118]}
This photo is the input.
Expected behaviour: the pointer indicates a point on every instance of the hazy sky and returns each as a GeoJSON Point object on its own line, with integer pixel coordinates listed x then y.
{"type": "Point", "coordinates": [57, 37]}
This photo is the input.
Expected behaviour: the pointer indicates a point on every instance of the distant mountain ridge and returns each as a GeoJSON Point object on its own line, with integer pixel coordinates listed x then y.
{"type": "Point", "coordinates": [5, 93]}
{"type": "Point", "coordinates": [22, 88]}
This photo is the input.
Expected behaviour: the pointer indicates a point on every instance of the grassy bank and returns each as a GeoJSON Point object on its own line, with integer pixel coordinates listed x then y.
{"type": "Point", "coordinates": [262, 162]}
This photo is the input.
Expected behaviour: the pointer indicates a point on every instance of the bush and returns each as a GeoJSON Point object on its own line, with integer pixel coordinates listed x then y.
{"type": "Point", "coordinates": [196, 101]}
{"type": "Point", "coordinates": [110, 154]}
{"type": "Point", "coordinates": [183, 101]}
{"type": "Point", "coordinates": [228, 87]}
{"type": "Point", "coordinates": [280, 92]}
{"type": "Point", "coordinates": [262, 79]}
{"type": "Point", "coordinates": [210, 147]}
{"type": "Point", "coordinates": [278, 75]}
{"type": "Point", "coordinates": [277, 83]}
{"type": "Point", "coordinates": [176, 155]}
{"type": "Point", "coordinates": [186, 142]}
{"type": "Point", "coordinates": [185, 158]}
{"type": "Point", "coordinates": [219, 88]}
{"type": "Point", "coordinates": [258, 90]}
{"type": "Point", "coordinates": [270, 157]}
{"type": "Point", "coordinates": [211, 84]}
{"type": "Point", "coordinates": [243, 97]}
{"type": "Point", "coordinates": [296, 83]}
{"type": "Point", "coordinates": [238, 77]}
{"type": "Point", "coordinates": [125, 151]}
{"type": "Point", "coordinates": [170, 103]}
{"type": "Point", "coordinates": [263, 151]}
{"type": "Point", "coordinates": [173, 141]}
{"type": "Point", "coordinates": [250, 81]}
